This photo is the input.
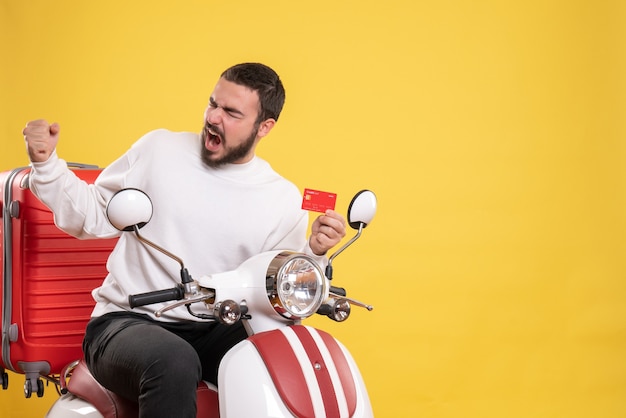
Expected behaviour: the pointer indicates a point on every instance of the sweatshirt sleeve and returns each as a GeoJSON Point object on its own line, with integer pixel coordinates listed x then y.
{"type": "Point", "coordinates": [322, 260]}
{"type": "Point", "coordinates": [79, 208]}
{"type": "Point", "coordinates": [293, 240]}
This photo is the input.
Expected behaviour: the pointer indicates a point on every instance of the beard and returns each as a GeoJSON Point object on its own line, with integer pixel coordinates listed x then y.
{"type": "Point", "coordinates": [231, 154]}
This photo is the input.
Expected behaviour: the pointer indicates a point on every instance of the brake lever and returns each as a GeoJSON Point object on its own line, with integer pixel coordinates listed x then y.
{"type": "Point", "coordinates": [352, 301]}
{"type": "Point", "coordinates": [201, 296]}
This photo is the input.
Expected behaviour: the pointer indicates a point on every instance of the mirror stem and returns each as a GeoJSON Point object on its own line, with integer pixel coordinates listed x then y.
{"type": "Point", "coordinates": [156, 247]}
{"type": "Point", "coordinates": [329, 267]}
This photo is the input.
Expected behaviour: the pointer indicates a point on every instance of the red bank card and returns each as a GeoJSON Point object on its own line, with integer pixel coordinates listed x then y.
{"type": "Point", "coordinates": [318, 201]}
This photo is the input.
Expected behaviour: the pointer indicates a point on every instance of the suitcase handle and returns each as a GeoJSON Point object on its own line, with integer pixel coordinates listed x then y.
{"type": "Point", "coordinates": [80, 166]}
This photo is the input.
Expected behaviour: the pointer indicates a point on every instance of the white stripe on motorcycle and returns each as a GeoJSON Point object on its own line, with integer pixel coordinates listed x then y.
{"type": "Point", "coordinates": [332, 370]}
{"type": "Point", "coordinates": [307, 369]}
{"type": "Point", "coordinates": [306, 364]}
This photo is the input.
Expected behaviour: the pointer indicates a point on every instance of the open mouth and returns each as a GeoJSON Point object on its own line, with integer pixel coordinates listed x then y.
{"type": "Point", "coordinates": [213, 138]}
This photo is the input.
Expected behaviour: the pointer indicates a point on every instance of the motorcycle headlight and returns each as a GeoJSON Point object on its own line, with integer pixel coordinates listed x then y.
{"type": "Point", "coordinates": [296, 286]}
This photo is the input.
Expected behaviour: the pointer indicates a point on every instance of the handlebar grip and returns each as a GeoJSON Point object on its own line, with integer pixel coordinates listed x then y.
{"type": "Point", "coordinates": [325, 309]}
{"type": "Point", "coordinates": [148, 298]}
{"type": "Point", "coordinates": [338, 291]}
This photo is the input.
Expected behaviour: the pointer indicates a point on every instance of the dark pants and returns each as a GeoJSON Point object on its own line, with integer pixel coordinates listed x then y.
{"type": "Point", "coordinates": [158, 364]}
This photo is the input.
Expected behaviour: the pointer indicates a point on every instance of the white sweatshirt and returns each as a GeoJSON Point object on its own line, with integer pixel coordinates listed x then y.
{"type": "Point", "coordinates": [214, 219]}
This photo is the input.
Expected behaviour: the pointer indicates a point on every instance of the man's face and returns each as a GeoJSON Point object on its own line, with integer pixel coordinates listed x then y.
{"type": "Point", "coordinates": [231, 131]}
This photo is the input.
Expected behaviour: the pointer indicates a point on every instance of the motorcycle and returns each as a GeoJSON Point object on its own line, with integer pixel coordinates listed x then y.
{"type": "Point", "coordinates": [284, 368]}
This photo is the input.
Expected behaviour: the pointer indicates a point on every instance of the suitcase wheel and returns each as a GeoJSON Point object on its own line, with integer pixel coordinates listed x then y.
{"type": "Point", "coordinates": [28, 387]}
{"type": "Point", "coordinates": [4, 379]}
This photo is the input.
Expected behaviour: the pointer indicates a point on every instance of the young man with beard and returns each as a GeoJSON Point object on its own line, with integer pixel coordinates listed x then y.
{"type": "Point", "coordinates": [215, 204]}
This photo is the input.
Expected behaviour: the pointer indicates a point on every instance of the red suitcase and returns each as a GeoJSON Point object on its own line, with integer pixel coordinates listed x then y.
{"type": "Point", "coordinates": [47, 279]}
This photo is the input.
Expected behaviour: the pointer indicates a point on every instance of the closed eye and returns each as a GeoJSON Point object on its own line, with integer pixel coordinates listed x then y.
{"type": "Point", "coordinates": [231, 111]}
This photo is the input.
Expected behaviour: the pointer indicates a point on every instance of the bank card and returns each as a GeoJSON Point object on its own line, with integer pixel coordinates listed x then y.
{"type": "Point", "coordinates": [318, 201]}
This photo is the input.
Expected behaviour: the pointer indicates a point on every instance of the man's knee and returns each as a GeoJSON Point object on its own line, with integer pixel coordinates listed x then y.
{"type": "Point", "coordinates": [180, 364]}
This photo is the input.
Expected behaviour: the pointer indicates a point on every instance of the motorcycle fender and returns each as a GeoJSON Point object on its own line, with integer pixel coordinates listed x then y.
{"type": "Point", "coordinates": [70, 406]}
{"type": "Point", "coordinates": [292, 371]}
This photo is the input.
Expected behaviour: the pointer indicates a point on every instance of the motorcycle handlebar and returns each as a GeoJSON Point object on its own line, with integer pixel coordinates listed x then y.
{"type": "Point", "coordinates": [338, 291]}
{"type": "Point", "coordinates": [148, 298]}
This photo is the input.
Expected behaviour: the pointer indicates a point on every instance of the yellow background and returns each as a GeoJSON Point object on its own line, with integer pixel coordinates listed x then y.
{"type": "Point", "coordinates": [491, 131]}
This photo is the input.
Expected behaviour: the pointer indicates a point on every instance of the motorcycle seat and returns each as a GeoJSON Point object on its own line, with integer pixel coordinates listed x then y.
{"type": "Point", "coordinates": [110, 405]}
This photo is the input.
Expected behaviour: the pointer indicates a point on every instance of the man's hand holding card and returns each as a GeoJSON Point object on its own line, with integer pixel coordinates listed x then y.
{"type": "Point", "coordinates": [330, 227]}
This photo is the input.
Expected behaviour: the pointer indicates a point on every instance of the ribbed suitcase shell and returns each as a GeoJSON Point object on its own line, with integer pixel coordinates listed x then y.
{"type": "Point", "coordinates": [47, 279]}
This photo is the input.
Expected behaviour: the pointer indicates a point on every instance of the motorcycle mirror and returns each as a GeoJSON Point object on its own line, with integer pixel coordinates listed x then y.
{"type": "Point", "coordinates": [129, 209]}
{"type": "Point", "coordinates": [362, 209]}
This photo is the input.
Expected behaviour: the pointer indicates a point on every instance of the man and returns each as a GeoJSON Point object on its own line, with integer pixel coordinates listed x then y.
{"type": "Point", "coordinates": [215, 204]}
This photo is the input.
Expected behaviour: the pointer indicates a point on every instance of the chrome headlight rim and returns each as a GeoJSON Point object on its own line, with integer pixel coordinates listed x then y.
{"type": "Point", "coordinates": [283, 286]}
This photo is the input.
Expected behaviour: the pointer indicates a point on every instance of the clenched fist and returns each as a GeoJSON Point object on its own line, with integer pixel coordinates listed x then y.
{"type": "Point", "coordinates": [41, 139]}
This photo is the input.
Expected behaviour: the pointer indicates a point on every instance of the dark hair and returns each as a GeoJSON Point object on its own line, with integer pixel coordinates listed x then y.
{"type": "Point", "coordinates": [263, 80]}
